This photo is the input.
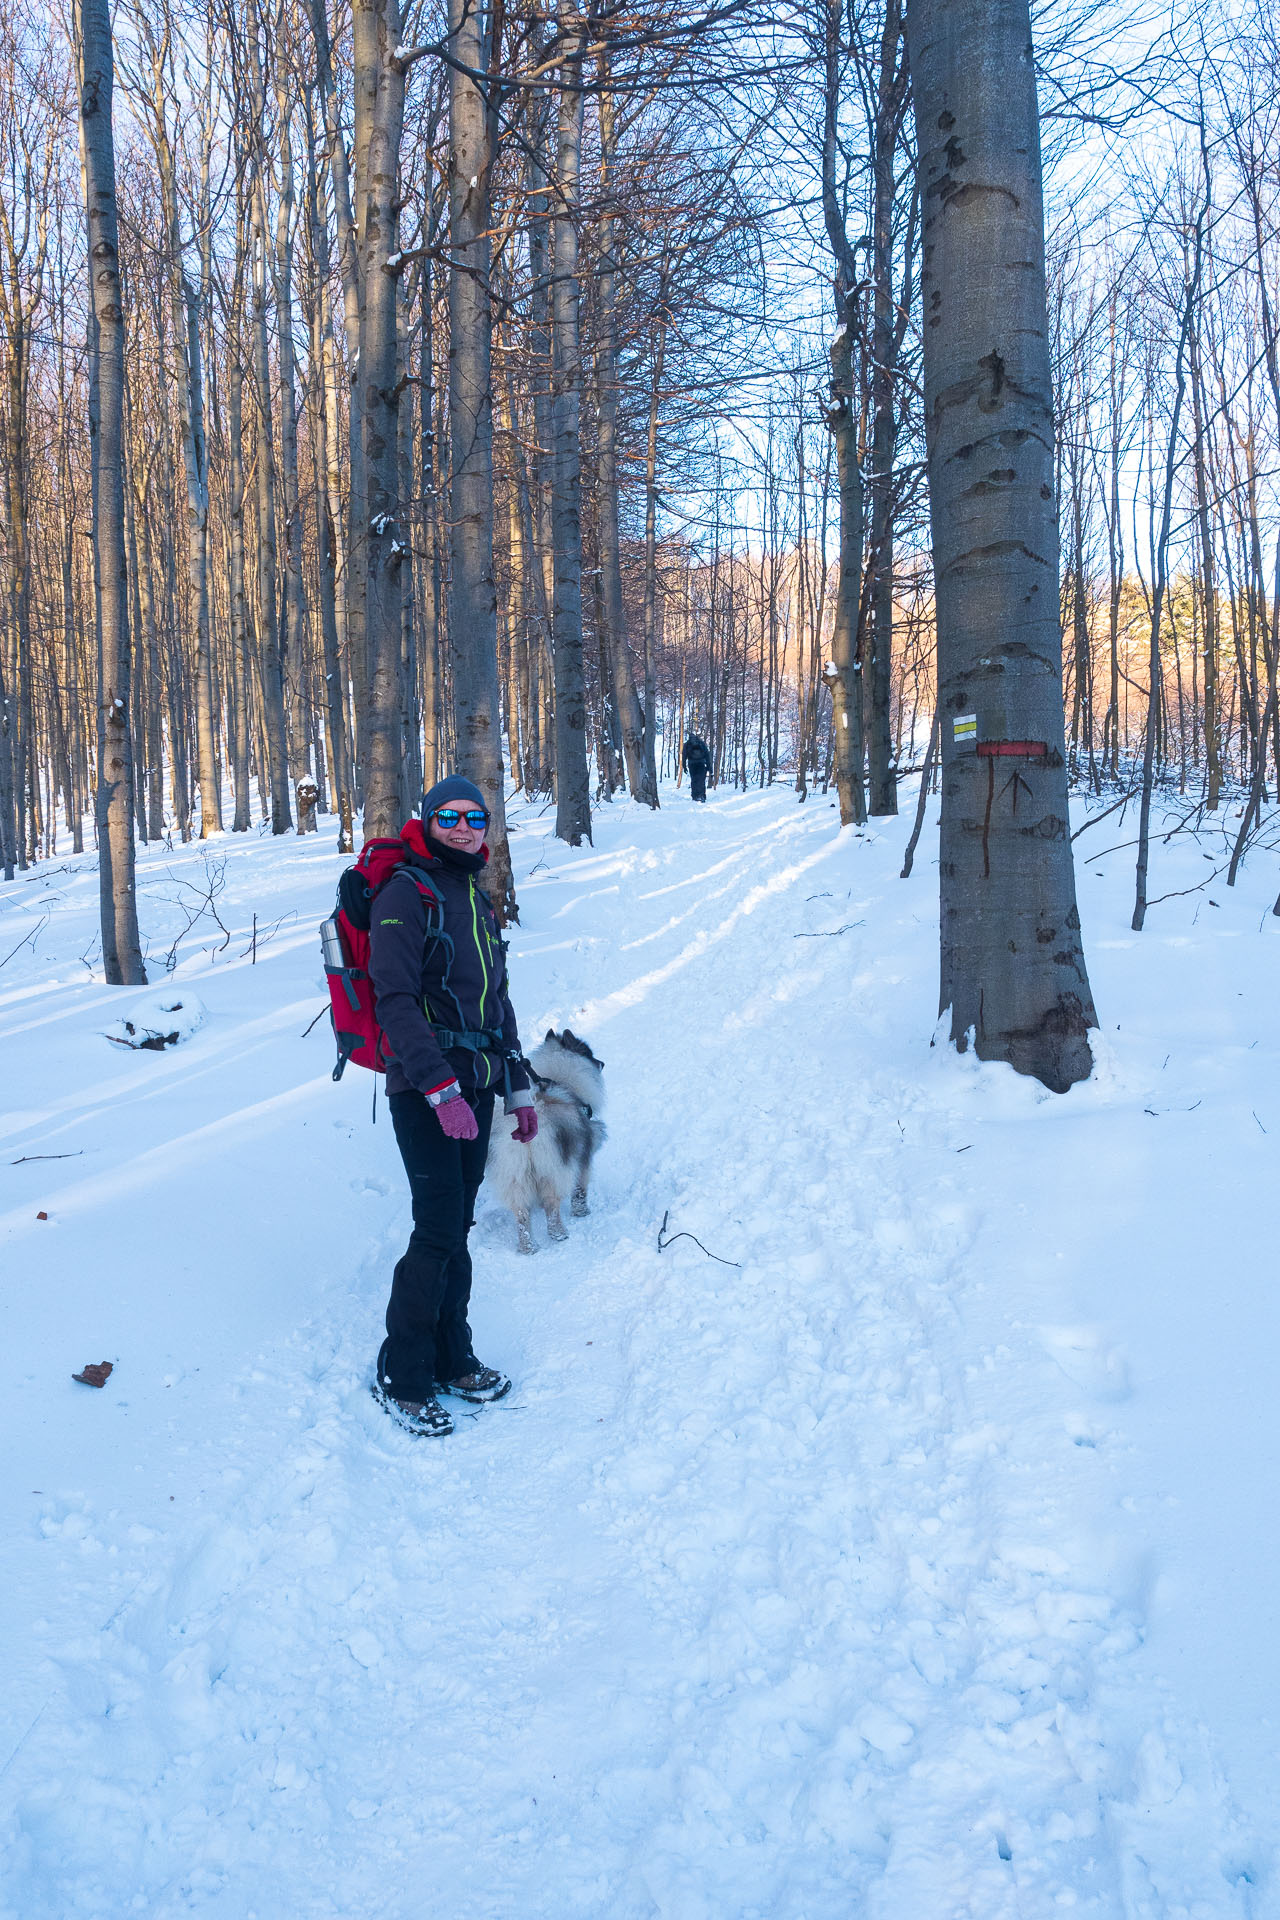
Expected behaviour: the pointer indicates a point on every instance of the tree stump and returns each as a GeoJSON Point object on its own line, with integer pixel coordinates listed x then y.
{"type": "Point", "coordinates": [307, 793]}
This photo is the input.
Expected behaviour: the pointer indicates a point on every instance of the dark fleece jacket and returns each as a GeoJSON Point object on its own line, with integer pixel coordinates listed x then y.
{"type": "Point", "coordinates": [458, 980]}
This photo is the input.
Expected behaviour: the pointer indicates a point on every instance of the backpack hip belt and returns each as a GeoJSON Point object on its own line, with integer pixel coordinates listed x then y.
{"type": "Point", "coordinates": [483, 1039]}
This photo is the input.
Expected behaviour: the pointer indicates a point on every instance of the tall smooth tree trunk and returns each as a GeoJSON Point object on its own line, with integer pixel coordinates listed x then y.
{"type": "Point", "coordinates": [238, 608]}
{"type": "Point", "coordinates": [327, 464]}
{"type": "Point", "coordinates": [573, 779]}
{"type": "Point", "coordinates": [1160, 573]}
{"type": "Point", "coordinates": [121, 946]}
{"type": "Point", "coordinates": [268, 602]}
{"type": "Point", "coordinates": [473, 600]}
{"type": "Point", "coordinates": [626, 700]}
{"type": "Point", "coordinates": [8, 804]}
{"type": "Point", "coordinates": [540, 543]}
{"type": "Point", "coordinates": [429, 572]}
{"type": "Point", "coordinates": [1012, 962]}
{"type": "Point", "coordinates": [412, 785]}
{"type": "Point", "coordinates": [1208, 587]}
{"type": "Point", "coordinates": [379, 545]}
{"type": "Point", "coordinates": [208, 771]}
{"type": "Point", "coordinates": [66, 540]}
{"type": "Point", "coordinates": [295, 604]}
{"type": "Point", "coordinates": [184, 302]}
{"type": "Point", "coordinates": [350, 577]}
{"type": "Point", "coordinates": [651, 536]}
{"type": "Point", "coordinates": [886, 337]}
{"type": "Point", "coordinates": [844, 675]}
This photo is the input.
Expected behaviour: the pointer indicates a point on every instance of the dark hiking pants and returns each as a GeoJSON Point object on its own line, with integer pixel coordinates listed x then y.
{"type": "Point", "coordinates": [428, 1339]}
{"type": "Point", "coordinates": [697, 783]}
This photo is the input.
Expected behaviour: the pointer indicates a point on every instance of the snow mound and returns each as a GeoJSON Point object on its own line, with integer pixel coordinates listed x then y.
{"type": "Point", "coordinates": [159, 1020]}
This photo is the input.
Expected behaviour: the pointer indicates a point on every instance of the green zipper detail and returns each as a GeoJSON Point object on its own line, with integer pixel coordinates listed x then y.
{"type": "Point", "coordinates": [484, 969]}
{"type": "Point", "coordinates": [484, 960]}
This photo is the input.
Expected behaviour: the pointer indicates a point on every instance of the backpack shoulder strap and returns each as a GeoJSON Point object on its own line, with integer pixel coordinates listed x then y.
{"type": "Point", "coordinates": [432, 897]}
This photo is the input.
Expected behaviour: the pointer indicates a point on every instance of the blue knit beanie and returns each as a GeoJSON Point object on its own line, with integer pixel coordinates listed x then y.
{"type": "Point", "coordinates": [454, 788]}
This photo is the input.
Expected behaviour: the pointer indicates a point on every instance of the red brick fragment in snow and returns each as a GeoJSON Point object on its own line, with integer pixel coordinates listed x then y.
{"type": "Point", "coordinates": [42, 1216]}
{"type": "Point", "coordinates": [95, 1374]}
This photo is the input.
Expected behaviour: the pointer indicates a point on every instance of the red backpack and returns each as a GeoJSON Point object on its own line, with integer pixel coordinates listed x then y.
{"type": "Point", "coordinates": [344, 941]}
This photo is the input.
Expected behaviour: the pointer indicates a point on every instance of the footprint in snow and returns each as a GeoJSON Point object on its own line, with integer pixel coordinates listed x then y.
{"type": "Point", "coordinates": [884, 1730]}
{"type": "Point", "coordinates": [1082, 1353]}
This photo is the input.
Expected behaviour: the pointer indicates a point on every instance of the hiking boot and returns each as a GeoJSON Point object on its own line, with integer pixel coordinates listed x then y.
{"type": "Point", "coordinates": [422, 1417]}
{"type": "Point", "coordinates": [485, 1383]}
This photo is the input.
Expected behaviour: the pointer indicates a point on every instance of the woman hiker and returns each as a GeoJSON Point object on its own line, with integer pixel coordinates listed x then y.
{"type": "Point", "coordinates": [441, 999]}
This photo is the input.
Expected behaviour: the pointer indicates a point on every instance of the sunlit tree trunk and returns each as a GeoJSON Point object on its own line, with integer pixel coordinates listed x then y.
{"type": "Point", "coordinates": [886, 338]}
{"type": "Point", "coordinates": [268, 608]}
{"type": "Point", "coordinates": [573, 782]}
{"type": "Point", "coordinates": [473, 603]}
{"type": "Point", "coordinates": [121, 947]}
{"type": "Point", "coordinates": [294, 662]}
{"type": "Point", "coordinates": [1013, 971]}
{"type": "Point", "coordinates": [626, 700]}
{"type": "Point", "coordinates": [238, 605]}
{"type": "Point", "coordinates": [379, 546]}
{"type": "Point", "coordinates": [326, 460]}
{"type": "Point", "coordinates": [845, 676]}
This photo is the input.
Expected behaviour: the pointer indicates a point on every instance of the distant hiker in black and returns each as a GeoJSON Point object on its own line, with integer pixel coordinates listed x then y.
{"type": "Point", "coordinates": [451, 1036]}
{"type": "Point", "coordinates": [696, 760]}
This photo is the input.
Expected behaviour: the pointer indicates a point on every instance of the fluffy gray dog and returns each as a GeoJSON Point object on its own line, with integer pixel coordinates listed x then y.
{"type": "Point", "coordinates": [568, 1092]}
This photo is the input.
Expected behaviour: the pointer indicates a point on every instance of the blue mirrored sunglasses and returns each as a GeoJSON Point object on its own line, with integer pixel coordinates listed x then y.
{"type": "Point", "coordinates": [475, 817]}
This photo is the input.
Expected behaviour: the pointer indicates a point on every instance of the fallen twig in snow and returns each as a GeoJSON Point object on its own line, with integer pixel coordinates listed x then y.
{"type": "Point", "coordinates": [260, 939]}
{"type": "Point", "coordinates": [320, 1016]}
{"type": "Point", "coordinates": [32, 936]}
{"type": "Point", "coordinates": [195, 908]}
{"type": "Point", "coordinates": [1183, 891]}
{"type": "Point", "coordinates": [46, 1156]}
{"type": "Point", "coordinates": [664, 1242]}
{"type": "Point", "coordinates": [830, 933]}
{"type": "Point", "coordinates": [1093, 820]}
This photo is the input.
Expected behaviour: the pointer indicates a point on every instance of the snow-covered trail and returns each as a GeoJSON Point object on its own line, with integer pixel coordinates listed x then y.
{"type": "Point", "coordinates": [794, 1587]}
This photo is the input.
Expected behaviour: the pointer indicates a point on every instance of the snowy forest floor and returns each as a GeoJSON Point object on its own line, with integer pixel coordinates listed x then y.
{"type": "Point", "coordinates": [920, 1565]}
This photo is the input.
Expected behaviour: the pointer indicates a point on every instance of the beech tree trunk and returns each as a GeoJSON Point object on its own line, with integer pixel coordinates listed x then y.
{"type": "Point", "coordinates": [573, 780]}
{"type": "Point", "coordinates": [626, 700]}
{"type": "Point", "coordinates": [540, 765]}
{"type": "Point", "coordinates": [121, 947]}
{"type": "Point", "coordinates": [844, 676]}
{"type": "Point", "coordinates": [238, 602]}
{"type": "Point", "coordinates": [379, 552]}
{"type": "Point", "coordinates": [1013, 971]}
{"type": "Point", "coordinates": [185, 311]}
{"type": "Point", "coordinates": [473, 602]}
{"type": "Point", "coordinates": [886, 338]}
{"type": "Point", "coordinates": [349, 583]}
{"type": "Point", "coordinates": [294, 663]}
{"type": "Point", "coordinates": [326, 458]}
{"type": "Point", "coordinates": [663, 317]}
{"type": "Point", "coordinates": [268, 608]}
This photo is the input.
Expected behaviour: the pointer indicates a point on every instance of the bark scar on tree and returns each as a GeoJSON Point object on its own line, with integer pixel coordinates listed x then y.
{"type": "Point", "coordinates": [995, 550]}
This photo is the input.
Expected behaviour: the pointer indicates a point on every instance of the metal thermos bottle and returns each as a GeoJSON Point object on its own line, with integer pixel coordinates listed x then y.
{"type": "Point", "coordinates": [331, 944]}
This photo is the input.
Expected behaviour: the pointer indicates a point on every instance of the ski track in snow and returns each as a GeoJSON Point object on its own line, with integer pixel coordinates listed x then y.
{"type": "Point", "coordinates": [790, 1589]}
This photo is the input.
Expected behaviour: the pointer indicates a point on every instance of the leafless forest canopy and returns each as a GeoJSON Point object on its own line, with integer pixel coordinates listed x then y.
{"type": "Point", "coordinates": [514, 389]}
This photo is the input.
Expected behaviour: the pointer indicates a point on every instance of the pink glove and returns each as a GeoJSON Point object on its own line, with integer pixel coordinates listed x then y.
{"type": "Point", "coordinates": [526, 1126]}
{"type": "Point", "coordinates": [457, 1119]}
